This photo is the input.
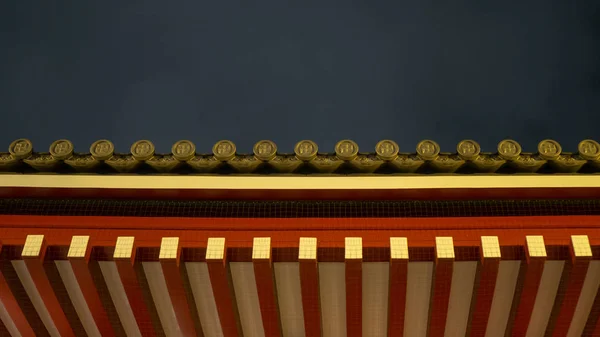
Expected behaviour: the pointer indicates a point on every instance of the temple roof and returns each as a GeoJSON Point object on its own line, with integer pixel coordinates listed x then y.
{"type": "Point", "coordinates": [306, 159]}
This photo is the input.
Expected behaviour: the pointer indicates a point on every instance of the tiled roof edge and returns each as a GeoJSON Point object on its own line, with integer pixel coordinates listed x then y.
{"type": "Point", "coordinates": [306, 159]}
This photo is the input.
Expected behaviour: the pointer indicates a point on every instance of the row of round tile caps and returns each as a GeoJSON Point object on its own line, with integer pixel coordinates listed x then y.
{"type": "Point", "coordinates": [305, 150]}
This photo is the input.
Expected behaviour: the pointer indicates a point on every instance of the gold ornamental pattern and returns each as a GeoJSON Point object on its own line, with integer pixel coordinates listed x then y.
{"type": "Point", "coordinates": [387, 149]}
{"type": "Point", "coordinates": [21, 148]}
{"type": "Point", "coordinates": [142, 150]}
{"type": "Point", "coordinates": [346, 149]}
{"type": "Point", "coordinates": [306, 150]}
{"type": "Point", "coordinates": [384, 158]}
{"type": "Point", "coordinates": [265, 150]}
{"type": "Point", "coordinates": [428, 149]}
{"type": "Point", "coordinates": [102, 149]}
{"type": "Point", "coordinates": [589, 149]}
{"type": "Point", "coordinates": [183, 150]}
{"type": "Point", "coordinates": [224, 150]}
{"type": "Point", "coordinates": [468, 149]}
{"type": "Point", "coordinates": [61, 149]}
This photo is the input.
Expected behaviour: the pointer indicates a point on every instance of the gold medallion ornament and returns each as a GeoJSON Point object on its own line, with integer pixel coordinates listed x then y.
{"type": "Point", "coordinates": [265, 150]}
{"type": "Point", "coordinates": [589, 149]}
{"type": "Point", "coordinates": [142, 150]}
{"type": "Point", "coordinates": [346, 149]}
{"type": "Point", "coordinates": [61, 149]}
{"type": "Point", "coordinates": [509, 149]}
{"type": "Point", "coordinates": [468, 149]}
{"type": "Point", "coordinates": [428, 149]}
{"type": "Point", "coordinates": [183, 150]}
{"type": "Point", "coordinates": [549, 149]}
{"type": "Point", "coordinates": [387, 150]}
{"type": "Point", "coordinates": [102, 149]}
{"type": "Point", "coordinates": [224, 150]}
{"type": "Point", "coordinates": [306, 150]}
{"type": "Point", "coordinates": [21, 148]}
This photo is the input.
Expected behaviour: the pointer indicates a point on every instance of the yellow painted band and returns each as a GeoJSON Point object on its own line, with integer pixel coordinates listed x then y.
{"type": "Point", "coordinates": [298, 182]}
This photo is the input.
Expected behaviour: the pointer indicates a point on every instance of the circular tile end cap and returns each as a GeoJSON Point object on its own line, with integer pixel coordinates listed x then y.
{"type": "Point", "coordinates": [21, 148]}
{"type": "Point", "coordinates": [306, 150]}
{"type": "Point", "coordinates": [102, 149]}
{"type": "Point", "coordinates": [61, 149]}
{"type": "Point", "coordinates": [468, 149]}
{"type": "Point", "coordinates": [183, 150]}
{"type": "Point", "coordinates": [224, 150]}
{"type": "Point", "coordinates": [142, 150]}
{"type": "Point", "coordinates": [589, 149]}
{"type": "Point", "coordinates": [387, 149]}
{"type": "Point", "coordinates": [549, 149]}
{"type": "Point", "coordinates": [265, 150]}
{"type": "Point", "coordinates": [428, 149]}
{"type": "Point", "coordinates": [346, 149]}
{"type": "Point", "coordinates": [509, 149]}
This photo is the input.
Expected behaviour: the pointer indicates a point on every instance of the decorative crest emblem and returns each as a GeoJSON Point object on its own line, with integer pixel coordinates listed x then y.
{"type": "Point", "coordinates": [183, 150]}
{"type": "Point", "coordinates": [61, 149]}
{"type": "Point", "coordinates": [509, 149]}
{"type": "Point", "coordinates": [468, 149]}
{"type": "Point", "coordinates": [142, 150]}
{"type": "Point", "coordinates": [387, 149]}
{"type": "Point", "coordinates": [549, 149]}
{"type": "Point", "coordinates": [21, 148]}
{"type": "Point", "coordinates": [102, 149]}
{"type": "Point", "coordinates": [428, 149]}
{"type": "Point", "coordinates": [306, 150]}
{"type": "Point", "coordinates": [265, 150]}
{"type": "Point", "coordinates": [224, 150]}
{"type": "Point", "coordinates": [589, 149]}
{"type": "Point", "coordinates": [346, 149]}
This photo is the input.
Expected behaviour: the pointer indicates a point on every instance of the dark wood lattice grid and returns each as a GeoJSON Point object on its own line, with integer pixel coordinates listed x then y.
{"type": "Point", "coordinates": [298, 209]}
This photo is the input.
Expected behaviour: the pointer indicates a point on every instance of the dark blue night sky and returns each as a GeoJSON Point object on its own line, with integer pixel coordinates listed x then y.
{"type": "Point", "coordinates": [283, 70]}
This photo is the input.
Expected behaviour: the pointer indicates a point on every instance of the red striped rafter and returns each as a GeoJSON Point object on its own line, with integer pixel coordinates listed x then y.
{"type": "Point", "coordinates": [265, 285]}
{"type": "Point", "coordinates": [534, 266]}
{"type": "Point", "coordinates": [398, 281]}
{"type": "Point", "coordinates": [442, 281]}
{"type": "Point", "coordinates": [33, 255]}
{"type": "Point", "coordinates": [353, 257]}
{"type": "Point", "coordinates": [488, 273]}
{"type": "Point", "coordinates": [581, 255]}
{"type": "Point", "coordinates": [13, 309]}
{"type": "Point", "coordinates": [309, 283]}
{"type": "Point", "coordinates": [79, 257]}
{"type": "Point", "coordinates": [124, 258]}
{"type": "Point", "coordinates": [220, 279]}
{"type": "Point", "coordinates": [170, 254]}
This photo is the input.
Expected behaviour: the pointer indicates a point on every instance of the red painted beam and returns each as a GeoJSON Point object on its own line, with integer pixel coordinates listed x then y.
{"type": "Point", "coordinates": [581, 254]}
{"type": "Point", "coordinates": [13, 310]}
{"type": "Point", "coordinates": [220, 279]}
{"type": "Point", "coordinates": [170, 254]}
{"type": "Point", "coordinates": [309, 286]}
{"type": "Point", "coordinates": [298, 224]}
{"type": "Point", "coordinates": [265, 286]}
{"type": "Point", "coordinates": [398, 282]}
{"type": "Point", "coordinates": [354, 257]}
{"type": "Point", "coordinates": [33, 255]}
{"type": "Point", "coordinates": [442, 282]}
{"type": "Point", "coordinates": [534, 266]}
{"type": "Point", "coordinates": [488, 273]}
{"type": "Point", "coordinates": [124, 258]}
{"type": "Point", "coordinates": [79, 257]}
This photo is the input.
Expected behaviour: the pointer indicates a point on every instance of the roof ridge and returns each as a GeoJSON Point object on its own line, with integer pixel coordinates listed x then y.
{"type": "Point", "coordinates": [306, 158]}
